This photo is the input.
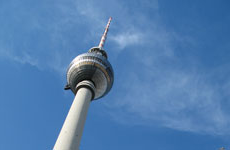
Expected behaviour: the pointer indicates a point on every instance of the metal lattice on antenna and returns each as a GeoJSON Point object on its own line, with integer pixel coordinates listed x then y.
{"type": "Point", "coordinates": [103, 38]}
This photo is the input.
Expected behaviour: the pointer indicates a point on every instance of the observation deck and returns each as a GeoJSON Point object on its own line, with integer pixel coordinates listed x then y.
{"type": "Point", "coordinates": [92, 66]}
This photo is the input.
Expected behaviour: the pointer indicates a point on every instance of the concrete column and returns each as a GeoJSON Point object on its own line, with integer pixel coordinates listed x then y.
{"type": "Point", "coordinates": [71, 132]}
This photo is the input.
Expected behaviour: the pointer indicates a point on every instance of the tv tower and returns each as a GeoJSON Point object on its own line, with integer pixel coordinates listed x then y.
{"type": "Point", "coordinates": [89, 76]}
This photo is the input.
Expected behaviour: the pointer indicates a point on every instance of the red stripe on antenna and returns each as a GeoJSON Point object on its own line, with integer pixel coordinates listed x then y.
{"type": "Point", "coordinates": [103, 38]}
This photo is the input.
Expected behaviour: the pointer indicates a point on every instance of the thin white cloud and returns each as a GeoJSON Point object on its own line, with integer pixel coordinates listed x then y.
{"type": "Point", "coordinates": [170, 95]}
{"type": "Point", "coordinates": [25, 58]}
{"type": "Point", "coordinates": [173, 99]}
{"type": "Point", "coordinates": [50, 48]}
{"type": "Point", "coordinates": [126, 39]}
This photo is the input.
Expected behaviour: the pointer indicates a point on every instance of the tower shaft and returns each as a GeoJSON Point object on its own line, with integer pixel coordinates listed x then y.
{"type": "Point", "coordinates": [89, 76]}
{"type": "Point", "coordinates": [71, 132]}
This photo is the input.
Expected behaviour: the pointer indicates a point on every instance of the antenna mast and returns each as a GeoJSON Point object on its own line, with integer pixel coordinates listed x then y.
{"type": "Point", "coordinates": [103, 38]}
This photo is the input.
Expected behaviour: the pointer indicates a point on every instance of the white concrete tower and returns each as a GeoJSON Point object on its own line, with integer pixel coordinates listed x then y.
{"type": "Point", "coordinates": [89, 76]}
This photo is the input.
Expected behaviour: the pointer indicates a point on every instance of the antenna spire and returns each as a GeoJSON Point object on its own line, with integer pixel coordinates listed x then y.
{"type": "Point", "coordinates": [103, 38]}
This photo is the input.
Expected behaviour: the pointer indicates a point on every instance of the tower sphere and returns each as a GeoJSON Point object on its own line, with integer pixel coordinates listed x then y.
{"type": "Point", "coordinates": [92, 66]}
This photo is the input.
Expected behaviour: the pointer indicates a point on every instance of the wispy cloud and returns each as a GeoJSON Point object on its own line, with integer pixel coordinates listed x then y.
{"type": "Point", "coordinates": [174, 99]}
{"type": "Point", "coordinates": [25, 58]}
{"type": "Point", "coordinates": [38, 40]}
{"type": "Point", "coordinates": [127, 38]}
{"type": "Point", "coordinates": [161, 88]}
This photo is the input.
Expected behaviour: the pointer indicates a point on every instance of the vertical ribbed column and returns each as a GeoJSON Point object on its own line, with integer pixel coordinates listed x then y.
{"type": "Point", "coordinates": [71, 132]}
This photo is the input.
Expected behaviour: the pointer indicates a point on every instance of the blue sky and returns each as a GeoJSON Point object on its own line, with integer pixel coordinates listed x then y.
{"type": "Point", "coordinates": [171, 64]}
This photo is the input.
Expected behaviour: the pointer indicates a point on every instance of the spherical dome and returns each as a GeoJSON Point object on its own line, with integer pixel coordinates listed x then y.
{"type": "Point", "coordinates": [92, 66]}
